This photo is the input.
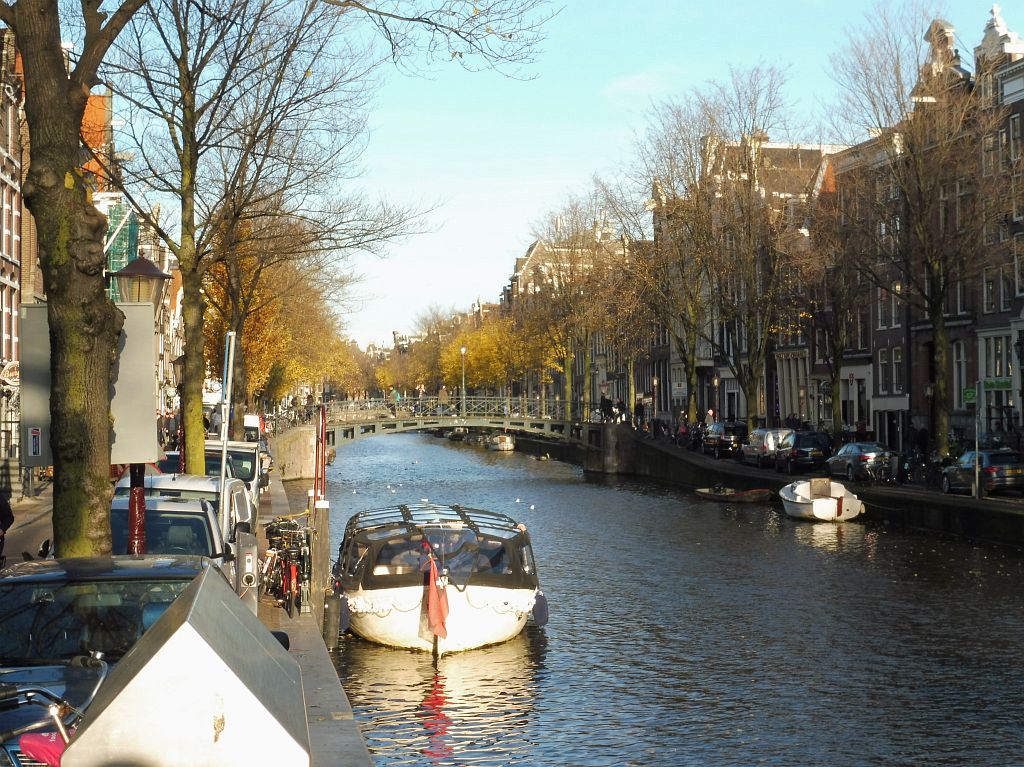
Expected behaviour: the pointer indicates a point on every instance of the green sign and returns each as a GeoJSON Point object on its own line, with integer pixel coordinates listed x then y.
{"type": "Point", "coordinates": [997, 384]}
{"type": "Point", "coordinates": [970, 396]}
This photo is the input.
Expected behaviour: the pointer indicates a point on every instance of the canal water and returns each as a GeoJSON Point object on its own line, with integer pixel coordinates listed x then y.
{"type": "Point", "coordinates": [688, 632]}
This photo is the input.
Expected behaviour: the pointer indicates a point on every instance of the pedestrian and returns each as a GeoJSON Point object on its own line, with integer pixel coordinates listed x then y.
{"type": "Point", "coordinates": [607, 412]}
{"type": "Point", "coordinates": [442, 400]}
{"type": "Point", "coordinates": [638, 411]}
{"type": "Point", "coordinates": [6, 520]}
{"type": "Point", "coordinates": [622, 415]}
{"type": "Point", "coordinates": [396, 397]}
{"type": "Point", "coordinates": [709, 418]}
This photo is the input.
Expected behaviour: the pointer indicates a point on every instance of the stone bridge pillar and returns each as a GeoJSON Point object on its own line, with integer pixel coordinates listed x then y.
{"type": "Point", "coordinates": [610, 448]}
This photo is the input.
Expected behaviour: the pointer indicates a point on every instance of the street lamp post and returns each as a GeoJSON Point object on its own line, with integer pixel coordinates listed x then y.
{"type": "Point", "coordinates": [178, 365]}
{"type": "Point", "coordinates": [654, 404]}
{"type": "Point", "coordinates": [463, 351]}
{"type": "Point", "coordinates": [138, 282]}
{"type": "Point", "coordinates": [714, 400]}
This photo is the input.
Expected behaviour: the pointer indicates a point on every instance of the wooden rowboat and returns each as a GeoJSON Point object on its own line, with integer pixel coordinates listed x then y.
{"type": "Point", "coordinates": [720, 493]}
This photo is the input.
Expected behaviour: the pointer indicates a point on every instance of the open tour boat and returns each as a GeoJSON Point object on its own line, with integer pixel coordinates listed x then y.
{"type": "Point", "coordinates": [820, 499]}
{"type": "Point", "coordinates": [437, 578]}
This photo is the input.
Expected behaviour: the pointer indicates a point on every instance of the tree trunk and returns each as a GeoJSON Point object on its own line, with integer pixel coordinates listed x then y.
{"type": "Point", "coordinates": [84, 325]}
{"type": "Point", "coordinates": [941, 341]}
{"type": "Point", "coordinates": [195, 373]}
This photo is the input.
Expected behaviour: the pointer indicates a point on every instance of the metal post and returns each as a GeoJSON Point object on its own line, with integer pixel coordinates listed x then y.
{"type": "Point", "coordinates": [463, 350]}
{"type": "Point", "coordinates": [977, 430]}
{"type": "Point", "coordinates": [137, 510]}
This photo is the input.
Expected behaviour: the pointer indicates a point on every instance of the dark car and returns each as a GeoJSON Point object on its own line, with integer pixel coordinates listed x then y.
{"type": "Point", "coordinates": [999, 471]}
{"type": "Point", "coordinates": [859, 460]}
{"type": "Point", "coordinates": [54, 612]}
{"type": "Point", "coordinates": [802, 450]}
{"type": "Point", "coordinates": [724, 438]}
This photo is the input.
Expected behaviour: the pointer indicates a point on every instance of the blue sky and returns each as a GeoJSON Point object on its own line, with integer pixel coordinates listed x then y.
{"type": "Point", "coordinates": [493, 155]}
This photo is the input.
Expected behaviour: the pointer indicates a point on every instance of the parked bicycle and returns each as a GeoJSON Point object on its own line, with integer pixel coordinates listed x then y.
{"type": "Point", "coordinates": [44, 738]}
{"type": "Point", "coordinates": [288, 564]}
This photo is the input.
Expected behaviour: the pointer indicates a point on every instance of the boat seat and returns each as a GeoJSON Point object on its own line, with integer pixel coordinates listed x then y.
{"type": "Point", "coordinates": [821, 487]}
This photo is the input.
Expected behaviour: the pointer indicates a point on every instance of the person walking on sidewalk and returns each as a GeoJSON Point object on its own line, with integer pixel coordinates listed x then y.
{"type": "Point", "coordinates": [6, 520]}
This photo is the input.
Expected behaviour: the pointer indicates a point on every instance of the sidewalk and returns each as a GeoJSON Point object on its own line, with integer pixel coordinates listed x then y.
{"type": "Point", "coordinates": [33, 523]}
{"type": "Point", "coordinates": [334, 736]}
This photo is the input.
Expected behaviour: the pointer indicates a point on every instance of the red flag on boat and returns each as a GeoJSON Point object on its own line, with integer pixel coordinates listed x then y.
{"type": "Point", "coordinates": [437, 603]}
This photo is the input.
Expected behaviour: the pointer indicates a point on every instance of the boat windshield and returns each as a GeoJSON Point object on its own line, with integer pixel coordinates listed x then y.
{"type": "Point", "coordinates": [456, 550]}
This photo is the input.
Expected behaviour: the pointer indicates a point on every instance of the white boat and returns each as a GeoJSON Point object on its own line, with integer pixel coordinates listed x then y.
{"type": "Point", "coordinates": [820, 499]}
{"type": "Point", "coordinates": [437, 578]}
{"type": "Point", "coordinates": [501, 442]}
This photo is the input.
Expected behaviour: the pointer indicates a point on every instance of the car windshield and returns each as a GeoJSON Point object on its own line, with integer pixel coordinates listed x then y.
{"type": "Point", "coordinates": [1003, 459]}
{"type": "Point", "coordinates": [241, 464]}
{"type": "Point", "coordinates": [59, 620]}
{"type": "Point", "coordinates": [166, 533]}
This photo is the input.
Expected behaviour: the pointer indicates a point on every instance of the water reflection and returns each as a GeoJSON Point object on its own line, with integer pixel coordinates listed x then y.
{"type": "Point", "coordinates": [829, 536]}
{"type": "Point", "coordinates": [473, 707]}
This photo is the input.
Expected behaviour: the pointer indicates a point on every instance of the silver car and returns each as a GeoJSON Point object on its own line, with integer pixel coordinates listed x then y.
{"type": "Point", "coordinates": [859, 460]}
{"type": "Point", "coordinates": [760, 447]}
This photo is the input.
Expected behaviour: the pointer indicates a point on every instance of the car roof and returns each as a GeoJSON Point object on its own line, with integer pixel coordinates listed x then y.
{"type": "Point", "coordinates": [166, 503]}
{"type": "Point", "coordinates": [183, 481]}
{"type": "Point", "coordinates": [114, 567]}
{"type": "Point", "coordinates": [232, 445]}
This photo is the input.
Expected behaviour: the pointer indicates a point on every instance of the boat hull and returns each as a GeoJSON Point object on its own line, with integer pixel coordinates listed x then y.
{"type": "Point", "coordinates": [501, 443]}
{"type": "Point", "coordinates": [477, 616]}
{"type": "Point", "coordinates": [730, 495]}
{"type": "Point", "coordinates": [836, 504]}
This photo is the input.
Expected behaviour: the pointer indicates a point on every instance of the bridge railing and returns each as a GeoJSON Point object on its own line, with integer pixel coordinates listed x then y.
{"type": "Point", "coordinates": [454, 407]}
{"type": "Point", "coordinates": [363, 410]}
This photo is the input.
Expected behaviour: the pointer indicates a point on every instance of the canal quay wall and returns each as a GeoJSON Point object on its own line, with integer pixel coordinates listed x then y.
{"type": "Point", "coordinates": [619, 450]}
{"type": "Point", "coordinates": [334, 736]}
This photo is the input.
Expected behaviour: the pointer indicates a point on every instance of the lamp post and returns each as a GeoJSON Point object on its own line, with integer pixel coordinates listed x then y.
{"type": "Point", "coordinates": [178, 365]}
{"type": "Point", "coordinates": [463, 351]}
{"type": "Point", "coordinates": [714, 398]}
{"type": "Point", "coordinates": [654, 404]}
{"type": "Point", "coordinates": [1019, 348]}
{"type": "Point", "coordinates": [138, 282]}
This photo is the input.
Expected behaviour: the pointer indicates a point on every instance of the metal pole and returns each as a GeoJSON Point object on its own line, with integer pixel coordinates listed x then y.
{"type": "Point", "coordinates": [225, 413]}
{"type": "Point", "coordinates": [463, 350]}
{"type": "Point", "coordinates": [977, 430]}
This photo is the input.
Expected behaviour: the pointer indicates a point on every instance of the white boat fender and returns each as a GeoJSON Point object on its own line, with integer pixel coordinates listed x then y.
{"type": "Point", "coordinates": [540, 609]}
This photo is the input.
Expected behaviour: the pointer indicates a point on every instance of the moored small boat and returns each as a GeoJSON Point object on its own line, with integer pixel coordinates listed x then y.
{"type": "Point", "coordinates": [501, 442]}
{"type": "Point", "coordinates": [720, 493]}
{"type": "Point", "coordinates": [438, 578]}
{"type": "Point", "coordinates": [820, 499]}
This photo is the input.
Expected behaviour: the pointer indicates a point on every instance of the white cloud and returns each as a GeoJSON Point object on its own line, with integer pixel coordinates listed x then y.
{"type": "Point", "coordinates": [654, 82]}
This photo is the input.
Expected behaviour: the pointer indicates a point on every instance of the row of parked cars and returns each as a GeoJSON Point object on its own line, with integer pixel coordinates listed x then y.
{"type": "Point", "coordinates": [57, 616]}
{"type": "Point", "coordinates": [789, 450]}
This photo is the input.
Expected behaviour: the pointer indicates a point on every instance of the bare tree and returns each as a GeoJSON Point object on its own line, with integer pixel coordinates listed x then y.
{"type": "Point", "coordinates": [84, 324]}
{"type": "Point", "coordinates": [916, 198]}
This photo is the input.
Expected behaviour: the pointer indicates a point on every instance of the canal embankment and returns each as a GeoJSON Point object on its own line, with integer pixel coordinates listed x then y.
{"type": "Point", "coordinates": [334, 736]}
{"type": "Point", "coordinates": [618, 450]}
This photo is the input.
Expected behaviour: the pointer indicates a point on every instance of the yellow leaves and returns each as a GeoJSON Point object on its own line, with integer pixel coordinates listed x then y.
{"type": "Point", "coordinates": [69, 180]}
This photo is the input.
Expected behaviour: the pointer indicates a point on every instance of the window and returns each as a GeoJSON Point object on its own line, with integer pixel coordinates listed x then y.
{"type": "Point", "coordinates": [883, 371]}
{"type": "Point", "coordinates": [988, 288]}
{"type": "Point", "coordinates": [962, 209]}
{"type": "Point", "coordinates": [894, 300]}
{"type": "Point", "coordinates": [1017, 197]}
{"type": "Point", "coordinates": [988, 151]}
{"type": "Point", "coordinates": [1018, 261]}
{"type": "Point", "coordinates": [897, 369]}
{"type": "Point", "coordinates": [961, 297]}
{"type": "Point", "coordinates": [1016, 148]}
{"type": "Point", "coordinates": [862, 328]}
{"type": "Point", "coordinates": [959, 374]}
{"type": "Point", "coordinates": [1004, 151]}
{"type": "Point", "coordinates": [1005, 288]}
{"type": "Point", "coordinates": [883, 308]}
{"type": "Point", "coordinates": [943, 207]}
